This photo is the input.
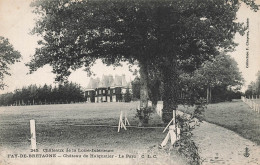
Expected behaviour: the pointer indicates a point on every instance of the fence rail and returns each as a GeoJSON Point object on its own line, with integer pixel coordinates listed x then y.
{"type": "Point", "coordinates": [251, 103]}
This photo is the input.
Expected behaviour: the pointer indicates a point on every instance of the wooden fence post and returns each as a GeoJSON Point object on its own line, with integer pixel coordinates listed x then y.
{"type": "Point", "coordinates": [33, 134]}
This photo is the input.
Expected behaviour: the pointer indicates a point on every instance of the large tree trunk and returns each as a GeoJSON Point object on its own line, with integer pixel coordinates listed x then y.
{"type": "Point", "coordinates": [170, 94]}
{"type": "Point", "coordinates": [210, 97]}
{"type": "Point", "coordinates": [208, 94]}
{"type": "Point", "coordinates": [143, 93]}
{"type": "Point", "coordinates": [155, 89]}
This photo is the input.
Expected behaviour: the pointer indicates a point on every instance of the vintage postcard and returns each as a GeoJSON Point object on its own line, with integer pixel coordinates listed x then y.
{"type": "Point", "coordinates": [129, 82]}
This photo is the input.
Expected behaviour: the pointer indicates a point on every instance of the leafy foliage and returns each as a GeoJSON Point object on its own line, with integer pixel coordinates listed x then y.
{"type": "Point", "coordinates": [8, 56]}
{"type": "Point", "coordinates": [221, 71]}
{"type": "Point", "coordinates": [144, 114]}
{"type": "Point", "coordinates": [185, 145]}
{"type": "Point", "coordinates": [221, 74]}
{"type": "Point", "coordinates": [127, 96]}
{"type": "Point", "coordinates": [188, 148]}
{"type": "Point", "coordinates": [76, 33]}
{"type": "Point", "coordinates": [199, 110]}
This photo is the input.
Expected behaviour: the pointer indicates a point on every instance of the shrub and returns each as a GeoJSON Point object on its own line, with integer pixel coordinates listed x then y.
{"type": "Point", "coordinates": [166, 116]}
{"type": "Point", "coordinates": [200, 106]}
{"type": "Point", "coordinates": [185, 145]}
{"type": "Point", "coordinates": [127, 96]}
{"type": "Point", "coordinates": [144, 114]}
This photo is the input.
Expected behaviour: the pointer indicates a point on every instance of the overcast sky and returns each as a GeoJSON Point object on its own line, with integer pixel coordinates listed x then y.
{"type": "Point", "coordinates": [16, 21]}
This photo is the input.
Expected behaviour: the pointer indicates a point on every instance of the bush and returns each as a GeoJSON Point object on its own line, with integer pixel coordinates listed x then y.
{"type": "Point", "coordinates": [127, 96]}
{"type": "Point", "coordinates": [167, 116]}
{"type": "Point", "coordinates": [200, 106]}
{"type": "Point", "coordinates": [144, 114]}
{"type": "Point", "coordinates": [185, 145]}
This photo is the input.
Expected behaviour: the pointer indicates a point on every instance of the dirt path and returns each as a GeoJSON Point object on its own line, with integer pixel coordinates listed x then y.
{"type": "Point", "coordinates": [218, 145]}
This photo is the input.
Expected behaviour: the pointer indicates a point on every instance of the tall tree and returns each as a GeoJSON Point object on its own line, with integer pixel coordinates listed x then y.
{"type": "Point", "coordinates": [33, 94]}
{"type": "Point", "coordinates": [136, 88]}
{"type": "Point", "coordinates": [154, 85]}
{"type": "Point", "coordinates": [8, 56]}
{"type": "Point", "coordinates": [166, 34]}
{"type": "Point", "coordinates": [222, 71]}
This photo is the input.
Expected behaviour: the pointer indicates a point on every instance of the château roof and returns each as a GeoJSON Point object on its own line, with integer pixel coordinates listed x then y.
{"type": "Point", "coordinates": [108, 81]}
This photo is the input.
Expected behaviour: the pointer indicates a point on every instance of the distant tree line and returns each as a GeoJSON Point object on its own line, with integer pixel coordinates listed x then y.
{"type": "Point", "coordinates": [47, 94]}
{"type": "Point", "coordinates": [254, 87]}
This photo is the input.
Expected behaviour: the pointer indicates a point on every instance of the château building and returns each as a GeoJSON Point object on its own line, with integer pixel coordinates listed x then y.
{"type": "Point", "coordinates": [108, 89]}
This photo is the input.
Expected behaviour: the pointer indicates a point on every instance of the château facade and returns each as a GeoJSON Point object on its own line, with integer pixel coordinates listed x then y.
{"type": "Point", "coordinates": [108, 89]}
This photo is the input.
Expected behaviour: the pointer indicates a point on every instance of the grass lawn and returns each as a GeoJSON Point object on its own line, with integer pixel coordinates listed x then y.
{"type": "Point", "coordinates": [67, 126]}
{"type": "Point", "coordinates": [256, 101]}
{"type": "Point", "coordinates": [236, 116]}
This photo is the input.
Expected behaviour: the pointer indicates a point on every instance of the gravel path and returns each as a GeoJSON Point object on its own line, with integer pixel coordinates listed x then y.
{"type": "Point", "coordinates": [218, 145]}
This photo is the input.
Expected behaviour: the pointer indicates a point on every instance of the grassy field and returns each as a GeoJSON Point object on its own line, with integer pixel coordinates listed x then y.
{"type": "Point", "coordinates": [68, 126]}
{"type": "Point", "coordinates": [73, 126]}
{"type": "Point", "coordinates": [236, 116]}
{"type": "Point", "coordinates": [257, 101]}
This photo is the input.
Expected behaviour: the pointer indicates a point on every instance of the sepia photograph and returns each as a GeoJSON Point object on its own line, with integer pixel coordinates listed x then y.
{"type": "Point", "coordinates": [129, 82]}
